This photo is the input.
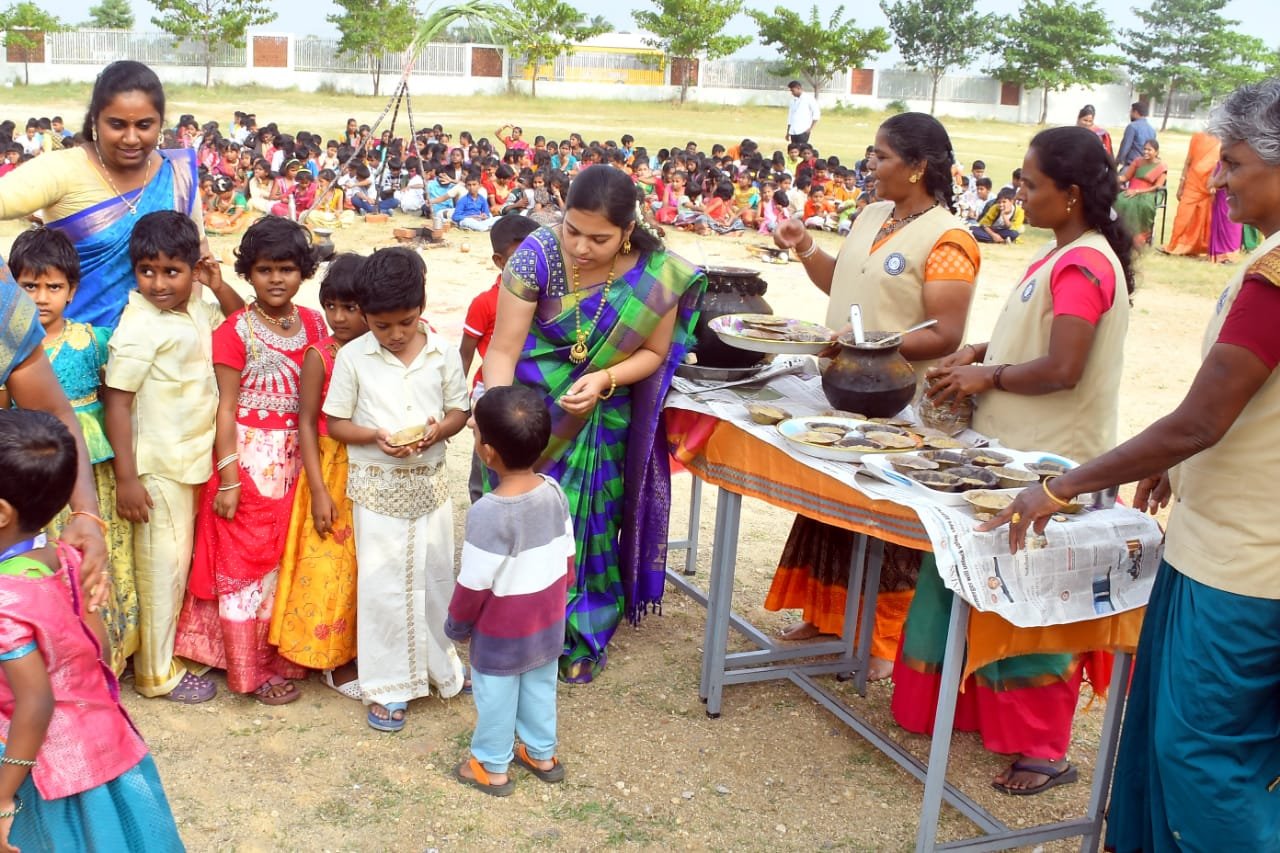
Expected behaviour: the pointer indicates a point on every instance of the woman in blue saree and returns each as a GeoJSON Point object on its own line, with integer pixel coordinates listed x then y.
{"type": "Point", "coordinates": [595, 314]}
{"type": "Point", "coordinates": [95, 193]}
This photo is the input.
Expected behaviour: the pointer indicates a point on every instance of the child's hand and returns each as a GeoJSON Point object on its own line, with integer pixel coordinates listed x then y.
{"type": "Point", "coordinates": [5, 825]}
{"type": "Point", "coordinates": [324, 512]}
{"type": "Point", "coordinates": [133, 501]}
{"type": "Point", "coordinates": [396, 452]}
{"type": "Point", "coordinates": [225, 503]}
{"type": "Point", "coordinates": [209, 271]}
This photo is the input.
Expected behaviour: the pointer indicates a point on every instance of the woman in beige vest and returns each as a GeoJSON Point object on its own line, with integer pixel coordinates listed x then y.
{"type": "Point", "coordinates": [1199, 760]}
{"type": "Point", "coordinates": [1049, 379]}
{"type": "Point", "coordinates": [906, 259]}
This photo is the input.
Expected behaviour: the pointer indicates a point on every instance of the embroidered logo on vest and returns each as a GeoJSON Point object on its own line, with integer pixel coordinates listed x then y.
{"type": "Point", "coordinates": [1028, 290]}
{"type": "Point", "coordinates": [895, 264]}
{"type": "Point", "coordinates": [1222, 300]}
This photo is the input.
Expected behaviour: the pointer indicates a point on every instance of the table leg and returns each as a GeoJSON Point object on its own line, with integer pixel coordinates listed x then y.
{"type": "Point", "coordinates": [1108, 743]}
{"type": "Point", "coordinates": [695, 519]}
{"type": "Point", "coordinates": [870, 592]}
{"type": "Point", "coordinates": [724, 558]}
{"type": "Point", "coordinates": [943, 723]}
{"type": "Point", "coordinates": [704, 682]}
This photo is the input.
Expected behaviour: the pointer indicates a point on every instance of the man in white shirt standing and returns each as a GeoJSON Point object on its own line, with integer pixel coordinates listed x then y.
{"type": "Point", "coordinates": [803, 115]}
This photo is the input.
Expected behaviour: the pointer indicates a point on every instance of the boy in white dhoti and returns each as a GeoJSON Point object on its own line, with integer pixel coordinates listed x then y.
{"type": "Point", "coordinates": [397, 393]}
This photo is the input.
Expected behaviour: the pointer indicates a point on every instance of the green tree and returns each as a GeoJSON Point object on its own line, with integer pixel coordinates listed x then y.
{"type": "Point", "coordinates": [211, 23]}
{"type": "Point", "coordinates": [544, 29]}
{"type": "Point", "coordinates": [1051, 46]}
{"type": "Point", "coordinates": [25, 25]}
{"type": "Point", "coordinates": [688, 29]}
{"type": "Point", "coordinates": [111, 15]}
{"type": "Point", "coordinates": [813, 50]}
{"type": "Point", "coordinates": [1181, 46]}
{"type": "Point", "coordinates": [372, 28]}
{"type": "Point", "coordinates": [937, 35]}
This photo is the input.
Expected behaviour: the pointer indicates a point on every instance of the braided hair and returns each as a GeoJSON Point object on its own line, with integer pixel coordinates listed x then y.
{"type": "Point", "coordinates": [920, 139]}
{"type": "Point", "coordinates": [1073, 156]}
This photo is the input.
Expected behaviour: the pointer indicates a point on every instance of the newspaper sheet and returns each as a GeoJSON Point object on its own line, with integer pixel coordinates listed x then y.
{"type": "Point", "coordinates": [1089, 565]}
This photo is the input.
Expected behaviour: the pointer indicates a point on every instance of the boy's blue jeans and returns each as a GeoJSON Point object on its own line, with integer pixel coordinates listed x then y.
{"type": "Point", "coordinates": [523, 705]}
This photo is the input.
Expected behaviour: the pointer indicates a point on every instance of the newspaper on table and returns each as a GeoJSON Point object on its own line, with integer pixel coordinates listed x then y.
{"type": "Point", "coordinates": [1092, 564]}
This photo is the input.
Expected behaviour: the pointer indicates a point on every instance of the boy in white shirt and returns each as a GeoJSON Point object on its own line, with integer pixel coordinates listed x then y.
{"type": "Point", "coordinates": [397, 394]}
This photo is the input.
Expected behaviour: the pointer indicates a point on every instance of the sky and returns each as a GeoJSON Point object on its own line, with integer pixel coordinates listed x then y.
{"type": "Point", "coordinates": [307, 17]}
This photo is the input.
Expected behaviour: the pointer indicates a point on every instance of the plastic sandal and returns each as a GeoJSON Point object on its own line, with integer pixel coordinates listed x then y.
{"type": "Point", "coordinates": [391, 723]}
{"type": "Point", "coordinates": [481, 781]}
{"type": "Point", "coordinates": [555, 774]}
{"type": "Point", "coordinates": [192, 690]}
{"type": "Point", "coordinates": [263, 693]}
{"type": "Point", "coordinates": [1064, 775]}
{"type": "Point", "coordinates": [351, 689]}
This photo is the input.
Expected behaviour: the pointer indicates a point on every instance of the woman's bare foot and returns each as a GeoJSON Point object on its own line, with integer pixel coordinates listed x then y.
{"type": "Point", "coordinates": [878, 669]}
{"type": "Point", "coordinates": [800, 631]}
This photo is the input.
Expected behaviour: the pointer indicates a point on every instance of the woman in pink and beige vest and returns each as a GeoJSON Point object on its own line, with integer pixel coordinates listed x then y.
{"type": "Point", "coordinates": [906, 259]}
{"type": "Point", "coordinates": [1049, 380]}
{"type": "Point", "coordinates": [1199, 760]}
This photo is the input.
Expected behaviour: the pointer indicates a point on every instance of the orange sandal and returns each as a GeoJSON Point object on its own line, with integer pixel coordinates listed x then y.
{"type": "Point", "coordinates": [555, 774]}
{"type": "Point", "coordinates": [481, 779]}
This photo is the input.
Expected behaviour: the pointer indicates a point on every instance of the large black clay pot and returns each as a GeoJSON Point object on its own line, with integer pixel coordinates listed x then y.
{"type": "Point", "coordinates": [730, 290]}
{"type": "Point", "coordinates": [869, 380]}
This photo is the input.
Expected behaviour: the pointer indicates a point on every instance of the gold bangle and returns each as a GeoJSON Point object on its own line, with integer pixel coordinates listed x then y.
{"type": "Point", "coordinates": [613, 385]}
{"type": "Point", "coordinates": [1049, 492]}
{"type": "Point", "coordinates": [101, 522]}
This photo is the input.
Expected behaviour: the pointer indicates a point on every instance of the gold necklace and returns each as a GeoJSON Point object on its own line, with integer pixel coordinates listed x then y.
{"type": "Point", "coordinates": [578, 352]}
{"type": "Point", "coordinates": [283, 323]}
{"type": "Point", "coordinates": [891, 224]}
{"type": "Point", "coordinates": [106, 173]}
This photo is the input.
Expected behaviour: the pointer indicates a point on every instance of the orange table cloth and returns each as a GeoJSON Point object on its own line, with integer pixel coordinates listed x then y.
{"type": "Point", "coordinates": [722, 454]}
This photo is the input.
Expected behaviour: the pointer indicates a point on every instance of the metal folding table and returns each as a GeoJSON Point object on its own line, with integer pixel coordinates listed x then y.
{"type": "Point", "coordinates": [794, 662]}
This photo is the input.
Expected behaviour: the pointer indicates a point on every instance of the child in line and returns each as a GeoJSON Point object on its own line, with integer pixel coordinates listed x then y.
{"type": "Point", "coordinates": [482, 317]}
{"type": "Point", "coordinates": [774, 212]}
{"type": "Point", "coordinates": [471, 211]}
{"type": "Point", "coordinates": [517, 567]}
{"type": "Point", "coordinates": [160, 409]}
{"type": "Point", "coordinates": [46, 266]}
{"type": "Point", "coordinates": [1003, 221]}
{"type": "Point", "coordinates": [314, 620]}
{"type": "Point", "coordinates": [73, 768]}
{"type": "Point", "coordinates": [245, 507]}
{"type": "Point", "coordinates": [819, 211]}
{"type": "Point", "coordinates": [397, 394]}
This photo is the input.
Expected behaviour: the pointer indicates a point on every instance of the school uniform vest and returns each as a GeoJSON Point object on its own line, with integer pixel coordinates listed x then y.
{"type": "Point", "coordinates": [1079, 423]}
{"type": "Point", "coordinates": [887, 283]}
{"type": "Point", "coordinates": [1223, 529]}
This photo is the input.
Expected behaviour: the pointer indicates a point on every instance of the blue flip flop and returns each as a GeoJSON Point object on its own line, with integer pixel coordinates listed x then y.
{"type": "Point", "coordinates": [391, 724]}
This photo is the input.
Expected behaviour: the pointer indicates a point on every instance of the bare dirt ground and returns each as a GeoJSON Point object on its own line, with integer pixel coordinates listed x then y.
{"type": "Point", "coordinates": [647, 768]}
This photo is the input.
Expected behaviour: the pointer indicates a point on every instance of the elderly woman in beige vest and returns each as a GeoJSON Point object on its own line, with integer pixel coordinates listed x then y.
{"type": "Point", "coordinates": [1199, 761]}
{"type": "Point", "coordinates": [1049, 379]}
{"type": "Point", "coordinates": [906, 259]}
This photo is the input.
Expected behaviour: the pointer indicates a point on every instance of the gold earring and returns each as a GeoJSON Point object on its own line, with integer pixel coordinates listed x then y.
{"type": "Point", "coordinates": [915, 179]}
{"type": "Point", "coordinates": [1071, 203]}
{"type": "Point", "coordinates": [626, 246]}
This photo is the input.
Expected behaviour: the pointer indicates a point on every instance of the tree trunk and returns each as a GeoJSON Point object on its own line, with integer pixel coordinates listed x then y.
{"type": "Point", "coordinates": [933, 94]}
{"type": "Point", "coordinates": [1168, 104]}
{"type": "Point", "coordinates": [377, 76]}
{"type": "Point", "coordinates": [533, 83]}
{"type": "Point", "coordinates": [26, 73]}
{"type": "Point", "coordinates": [208, 71]}
{"type": "Point", "coordinates": [1044, 106]}
{"type": "Point", "coordinates": [684, 82]}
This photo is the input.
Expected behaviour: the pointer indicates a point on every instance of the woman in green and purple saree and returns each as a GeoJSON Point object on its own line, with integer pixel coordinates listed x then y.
{"type": "Point", "coordinates": [95, 192]}
{"type": "Point", "coordinates": [596, 314]}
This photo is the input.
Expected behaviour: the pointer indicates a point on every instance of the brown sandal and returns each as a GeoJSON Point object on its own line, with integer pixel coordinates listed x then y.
{"type": "Point", "coordinates": [263, 693]}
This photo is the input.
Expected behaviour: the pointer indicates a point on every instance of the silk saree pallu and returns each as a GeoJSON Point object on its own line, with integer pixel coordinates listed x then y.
{"type": "Point", "coordinates": [101, 236]}
{"type": "Point", "coordinates": [611, 464]}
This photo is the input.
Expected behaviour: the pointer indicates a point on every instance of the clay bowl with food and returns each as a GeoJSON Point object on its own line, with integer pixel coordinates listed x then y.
{"type": "Point", "coordinates": [1014, 478]}
{"type": "Point", "coordinates": [974, 477]}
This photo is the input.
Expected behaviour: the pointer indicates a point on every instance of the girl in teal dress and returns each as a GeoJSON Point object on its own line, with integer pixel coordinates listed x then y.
{"type": "Point", "coordinates": [46, 266]}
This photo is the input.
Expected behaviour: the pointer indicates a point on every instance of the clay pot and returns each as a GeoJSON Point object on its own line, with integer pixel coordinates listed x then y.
{"type": "Point", "coordinates": [730, 290]}
{"type": "Point", "coordinates": [876, 381]}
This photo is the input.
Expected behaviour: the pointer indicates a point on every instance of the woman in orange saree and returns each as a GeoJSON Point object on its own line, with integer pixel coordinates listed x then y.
{"type": "Point", "coordinates": [1195, 203]}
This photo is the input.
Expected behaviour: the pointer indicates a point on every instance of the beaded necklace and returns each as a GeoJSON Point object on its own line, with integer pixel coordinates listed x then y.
{"type": "Point", "coordinates": [893, 224]}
